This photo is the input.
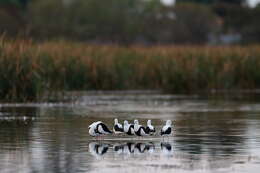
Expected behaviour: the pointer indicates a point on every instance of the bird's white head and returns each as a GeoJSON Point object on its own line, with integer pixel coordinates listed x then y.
{"type": "Point", "coordinates": [168, 122]}
{"type": "Point", "coordinates": [116, 121]}
{"type": "Point", "coordinates": [125, 122]}
{"type": "Point", "coordinates": [149, 122]}
{"type": "Point", "coordinates": [136, 122]}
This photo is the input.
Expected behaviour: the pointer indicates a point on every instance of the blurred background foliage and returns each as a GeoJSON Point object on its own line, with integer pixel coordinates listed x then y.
{"type": "Point", "coordinates": [43, 46]}
{"type": "Point", "coordinates": [132, 21]}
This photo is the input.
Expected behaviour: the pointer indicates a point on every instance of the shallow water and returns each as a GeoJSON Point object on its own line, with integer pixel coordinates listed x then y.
{"type": "Point", "coordinates": [220, 134]}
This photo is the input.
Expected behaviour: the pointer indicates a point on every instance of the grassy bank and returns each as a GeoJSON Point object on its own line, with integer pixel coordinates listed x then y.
{"type": "Point", "coordinates": [27, 70]}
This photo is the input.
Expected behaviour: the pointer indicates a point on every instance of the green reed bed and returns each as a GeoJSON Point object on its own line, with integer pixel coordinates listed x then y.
{"type": "Point", "coordinates": [28, 70]}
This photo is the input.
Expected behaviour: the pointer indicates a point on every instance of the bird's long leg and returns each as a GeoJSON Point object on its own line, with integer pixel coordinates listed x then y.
{"type": "Point", "coordinates": [163, 138]}
{"type": "Point", "coordinates": [100, 137]}
{"type": "Point", "coordinates": [168, 137]}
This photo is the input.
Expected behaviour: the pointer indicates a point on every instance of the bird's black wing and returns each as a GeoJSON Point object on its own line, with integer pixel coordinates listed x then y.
{"type": "Point", "coordinates": [117, 128]}
{"type": "Point", "coordinates": [138, 133]}
{"type": "Point", "coordinates": [96, 130]}
{"type": "Point", "coordinates": [105, 128]}
{"type": "Point", "coordinates": [147, 130]}
{"type": "Point", "coordinates": [166, 132]}
{"type": "Point", "coordinates": [129, 130]}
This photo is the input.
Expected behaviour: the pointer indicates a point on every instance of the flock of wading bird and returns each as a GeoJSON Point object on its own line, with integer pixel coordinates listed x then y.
{"type": "Point", "coordinates": [99, 128]}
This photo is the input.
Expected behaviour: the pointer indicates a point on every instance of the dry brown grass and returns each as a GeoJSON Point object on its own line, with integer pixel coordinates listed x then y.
{"type": "Point", "coordinates": [28, 69]}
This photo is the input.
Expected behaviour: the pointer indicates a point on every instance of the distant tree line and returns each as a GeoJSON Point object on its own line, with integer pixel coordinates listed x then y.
{"type": "Point", "coordinates": [130, 21]}
{"type": "Point", "coordinates": [237, 2]}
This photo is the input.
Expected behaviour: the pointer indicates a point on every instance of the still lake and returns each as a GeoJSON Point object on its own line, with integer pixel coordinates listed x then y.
{"type": "Point", "coordinates": [211, 134]}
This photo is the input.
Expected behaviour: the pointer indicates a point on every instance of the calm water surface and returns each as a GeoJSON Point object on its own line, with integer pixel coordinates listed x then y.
{"type": "Point", "coordinates": [210, 134]}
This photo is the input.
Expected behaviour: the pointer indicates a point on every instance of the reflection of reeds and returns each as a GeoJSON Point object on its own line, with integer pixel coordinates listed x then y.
{"type": "Point", "coordinates": [28, 69]}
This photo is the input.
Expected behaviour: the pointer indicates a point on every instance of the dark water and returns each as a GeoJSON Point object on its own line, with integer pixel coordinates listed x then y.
{"type": "Point", "coordinates": [210, 135]}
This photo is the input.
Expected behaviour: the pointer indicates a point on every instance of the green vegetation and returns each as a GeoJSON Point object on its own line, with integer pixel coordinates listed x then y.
{"type": "Point", "coordinates": [131, 21]}
{"type": "Point", "coordinates": [28, 70]}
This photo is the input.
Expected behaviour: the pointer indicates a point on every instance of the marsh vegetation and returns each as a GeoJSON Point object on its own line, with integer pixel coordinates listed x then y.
{"type": "Point", "coordinates": [29, 69]}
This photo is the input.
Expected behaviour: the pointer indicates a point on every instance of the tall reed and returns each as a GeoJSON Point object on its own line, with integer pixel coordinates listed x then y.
{"type": "Point", "coordinates": [27, 69]}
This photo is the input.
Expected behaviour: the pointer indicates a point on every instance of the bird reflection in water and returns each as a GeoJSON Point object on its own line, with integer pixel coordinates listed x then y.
{"type": "Point", "coordinates": [99, 149]}
{"type": "Point", "coordinates": [166, 148]}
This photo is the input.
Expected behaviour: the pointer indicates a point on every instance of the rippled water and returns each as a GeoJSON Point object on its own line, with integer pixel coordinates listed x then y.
{"type": "Point", "coordinates": [210, 134]}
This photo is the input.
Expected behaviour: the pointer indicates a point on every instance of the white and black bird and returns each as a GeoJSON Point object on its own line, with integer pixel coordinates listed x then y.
{"type": "Point", "coordinates": [167, 129]}
{"type": "Point", "coordinates": [93, 129]}
{"type": "Point", "coordinates": [98, 128]}
{"type": "Point", "coordinates": [150, 128]}
{"type": "Point", "coordinates": [139, 130]}
{"type": "Point", "coordinates": [128, 128]}
{"type": "Point", "coordinates": [118, 128]}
